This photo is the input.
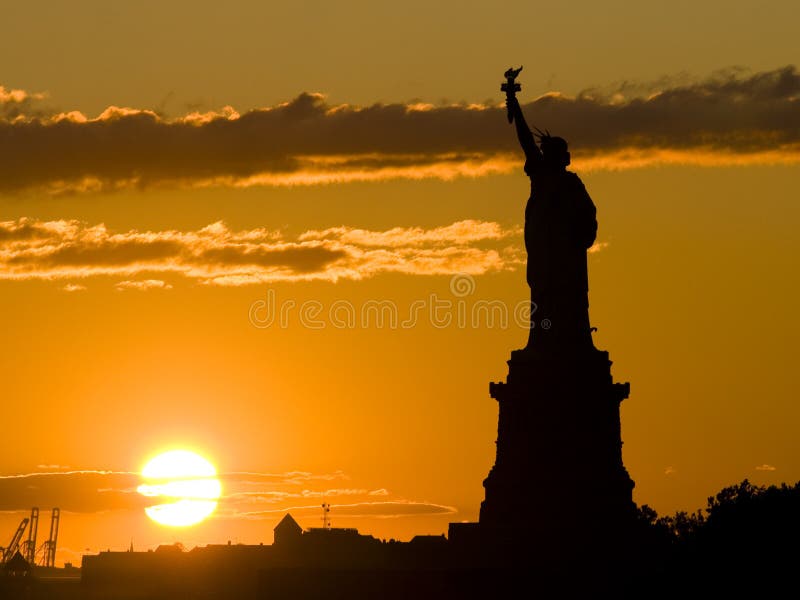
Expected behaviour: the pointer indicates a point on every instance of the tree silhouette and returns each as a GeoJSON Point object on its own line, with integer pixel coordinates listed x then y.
{"type": "Point", "coordinates": [747, 538]}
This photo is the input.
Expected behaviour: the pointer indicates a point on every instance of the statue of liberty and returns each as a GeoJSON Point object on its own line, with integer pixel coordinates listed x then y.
{"type": "Point", "coordinates": [560, 226]}
{"type": "Point", "coordinates": [559, 440]}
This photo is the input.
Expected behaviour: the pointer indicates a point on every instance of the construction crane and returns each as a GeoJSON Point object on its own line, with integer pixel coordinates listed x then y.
{"type": "Point", "coordinates": [48, 548]}
{"type": "Point", "coordinates": [29, 545]}
{"type": "Point", "coordinates": [12, 548]}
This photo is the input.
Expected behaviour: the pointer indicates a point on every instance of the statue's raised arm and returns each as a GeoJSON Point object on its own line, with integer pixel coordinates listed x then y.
{"type": "Point", "coordinates": [526, 139]}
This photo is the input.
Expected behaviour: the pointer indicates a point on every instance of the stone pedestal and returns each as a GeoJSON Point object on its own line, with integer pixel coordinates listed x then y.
{"type": "Point", "coordinates": [558, 483]}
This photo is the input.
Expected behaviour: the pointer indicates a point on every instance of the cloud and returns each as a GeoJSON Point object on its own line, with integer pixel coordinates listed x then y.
{"type": "Point", "coordinates": [765, 467]}
{"type": "Point", "coordinates": [245, 495]}
{"type": "Point", "coordinates": [463, 231]}
{"type": "Point", "coordinates": [216, 255]}
{"type": "Point", "coordinates": [76, 491]}
{"type": "Point", "coordinates": [275, 496]}
{"type": "Point", "coordinates": [290, 477]}
{"type": "Point", "coordinates": [385, 510]}
{"type": "Point", "coordinates": [73, 287]}
{"type": "Point", "coordinates": [729, 118]}
{"type": "Point", "coordinates": [145, 284]}
{"type": "Point", "coordinates": [18, 103]}
{"type": "Point", "coordinates": [597, 247]}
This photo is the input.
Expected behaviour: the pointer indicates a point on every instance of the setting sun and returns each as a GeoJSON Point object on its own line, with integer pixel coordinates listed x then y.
{"type": "Point", "coordinates": [184, 486]}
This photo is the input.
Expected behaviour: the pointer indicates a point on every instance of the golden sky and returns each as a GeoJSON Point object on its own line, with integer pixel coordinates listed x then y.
{"type": "Point", "coordinates": [171, 174]}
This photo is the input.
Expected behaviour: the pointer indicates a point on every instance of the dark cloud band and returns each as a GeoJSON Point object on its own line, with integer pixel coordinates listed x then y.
{"type": "Point", "coordinates": [731, 117]}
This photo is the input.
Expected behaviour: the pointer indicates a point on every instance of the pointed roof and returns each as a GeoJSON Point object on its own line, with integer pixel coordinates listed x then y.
{"type": "Point", "coordinates": [17, 564]}
{"type": "Point", "coordinates": [288, 525]}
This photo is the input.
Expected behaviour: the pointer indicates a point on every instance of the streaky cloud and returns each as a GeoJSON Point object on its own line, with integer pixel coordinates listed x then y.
{"type": "Point", "coordinates": [215, 255]}
{"type": "Point", "coordinates": [386, 509]}
{"type": "Point", "coordinates": [82, 491]}
{"type": "Point", "coordinates": [730, 118]}
{"type": "Point", "coordinates": [144, 284]}
{"type": "Point", "coordinates": [247, 495]}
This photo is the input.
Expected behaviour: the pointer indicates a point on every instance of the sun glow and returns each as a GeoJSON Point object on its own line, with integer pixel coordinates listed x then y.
{"type": "Point", "coordinates": [184, 487]}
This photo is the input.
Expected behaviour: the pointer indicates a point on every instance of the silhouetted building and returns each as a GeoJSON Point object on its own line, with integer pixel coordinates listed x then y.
{"type": "Point", "coordinates": [313, 563]}
{"type": "Point", "coordinates": [287, 531]}
{"type": "Point", "coordinates": [17, 566]}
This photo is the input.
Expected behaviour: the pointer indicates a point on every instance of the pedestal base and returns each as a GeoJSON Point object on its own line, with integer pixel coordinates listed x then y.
{"type": "Point", "coordinates": [558, 483]}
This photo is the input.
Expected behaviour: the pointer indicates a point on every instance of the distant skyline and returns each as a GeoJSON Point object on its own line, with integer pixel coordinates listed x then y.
{"type": "Point", "coordinates": [353, 155]}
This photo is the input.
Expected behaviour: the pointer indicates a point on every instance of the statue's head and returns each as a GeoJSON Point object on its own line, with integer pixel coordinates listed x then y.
{"type": "Point", "coordinates": [554, 151]}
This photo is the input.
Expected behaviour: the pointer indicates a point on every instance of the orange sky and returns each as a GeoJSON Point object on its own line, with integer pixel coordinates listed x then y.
{"type": "Point", "coordinates": [139, 248]}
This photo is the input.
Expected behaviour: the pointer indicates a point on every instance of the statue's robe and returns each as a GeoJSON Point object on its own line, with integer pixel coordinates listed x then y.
{"type": "Point", "coordinates": [560, 225]}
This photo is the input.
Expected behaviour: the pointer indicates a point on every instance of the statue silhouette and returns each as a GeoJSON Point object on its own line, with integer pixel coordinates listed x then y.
{"type": "Point", "coordinates": [560, 225]}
